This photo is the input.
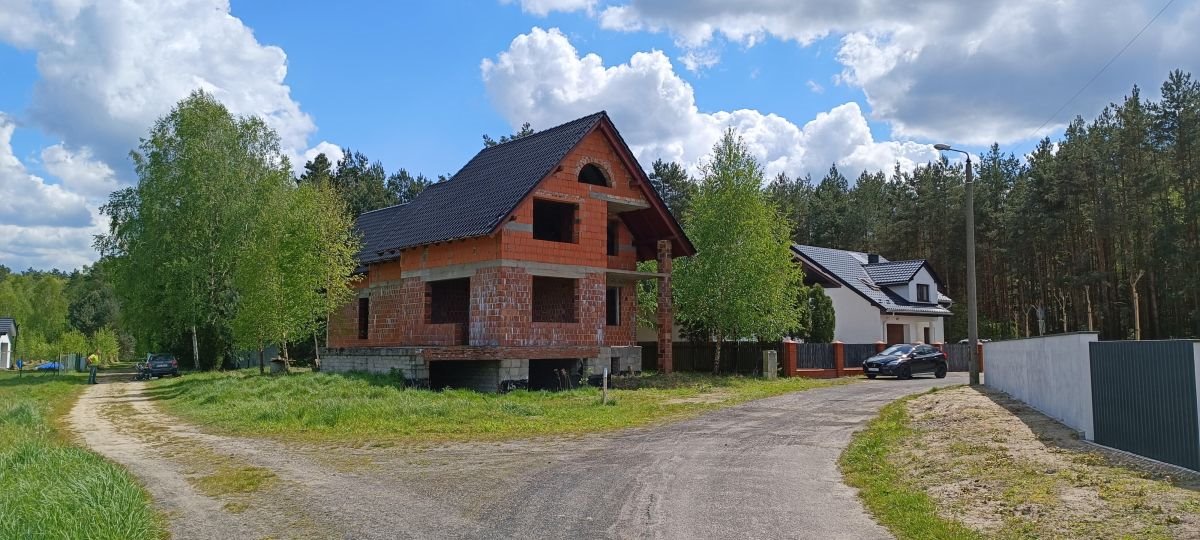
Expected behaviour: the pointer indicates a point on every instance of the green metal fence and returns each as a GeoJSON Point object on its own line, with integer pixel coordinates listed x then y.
{"type": "Point", "coordinates": [1144, 399]}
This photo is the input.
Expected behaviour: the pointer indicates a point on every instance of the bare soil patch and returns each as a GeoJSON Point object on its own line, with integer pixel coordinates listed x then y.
{"type": "Point", "coordinates": [1008, 471]}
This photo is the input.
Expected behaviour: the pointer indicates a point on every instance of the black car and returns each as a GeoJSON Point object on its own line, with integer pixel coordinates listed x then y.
{"type": "Point", "coordinates": [161, 365]}
{"type": "Point", "coordinates": [903, 361]}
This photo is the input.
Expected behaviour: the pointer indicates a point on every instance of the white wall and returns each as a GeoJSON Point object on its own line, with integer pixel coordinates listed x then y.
{"type": "Point", "coordinates": [923, 278]}
{"type": "Point", "coordinates": [914, 325]}
{"type": "Point", "coordinates": [1051, 374]}
{"type": "Point", "coordinates": [856, 319]}
{"type": "Point", "coordinates": [5, 353]}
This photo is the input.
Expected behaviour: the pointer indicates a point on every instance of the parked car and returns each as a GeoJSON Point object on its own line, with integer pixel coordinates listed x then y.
{"type": "Point", "coordinates": [162, 364]}
{"type": "Point", "coordinates": [903, 361]}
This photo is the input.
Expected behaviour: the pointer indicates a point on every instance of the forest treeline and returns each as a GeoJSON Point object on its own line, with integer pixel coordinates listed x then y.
{"type": "Point", "coordinates": [1100, 230]}
{"type": "Point", "coordinates": [1097, 230]}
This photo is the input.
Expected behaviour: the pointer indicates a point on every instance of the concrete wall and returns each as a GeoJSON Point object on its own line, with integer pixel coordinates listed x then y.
{"type": "Point", "coordinates": [1051, 374]}
{"type": "Point", "coordinates": [405, 360]}
{"type": "Point", "coordinates": [856, 320]}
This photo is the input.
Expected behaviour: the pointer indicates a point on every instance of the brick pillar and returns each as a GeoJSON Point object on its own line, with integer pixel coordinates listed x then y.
{"type": "Point", "coordinates": [791, 352]}
{"type": "Point", "coordinates": [880, 346]}
{"type": "Point", "coordinates": [839, 357]}
{"type": "Point", "coordinates": [666, 313]}
{"type": "Point", "coordinates": [979, 356]}
{"type": "Point", "coordinates": [940, 346]}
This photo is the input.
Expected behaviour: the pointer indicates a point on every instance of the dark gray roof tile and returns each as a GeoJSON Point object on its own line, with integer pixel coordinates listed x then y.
{"type": "Point", "coordinates": [851, 268]}
{"type": "Point", "coordinates": [476, 198]}
{"type": "Point", "coordinates": [893, 273]}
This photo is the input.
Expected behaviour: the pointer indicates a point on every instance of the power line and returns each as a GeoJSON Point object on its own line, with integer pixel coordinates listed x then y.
{"type": "Point", "coordinates": [1098, 73]}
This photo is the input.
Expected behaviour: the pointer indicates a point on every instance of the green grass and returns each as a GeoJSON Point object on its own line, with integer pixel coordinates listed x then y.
{"type": "Point", "coordinates": [229, 479]}
{"type": "Point", "coordinates": [360, 408]}
{"type": "Point", "coordinates": [51, 488]}
{"type": "Point", "coordinates": [903, 508]}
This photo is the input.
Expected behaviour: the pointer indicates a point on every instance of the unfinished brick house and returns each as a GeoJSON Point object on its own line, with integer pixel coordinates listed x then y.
{"type": "Point", "coordinates": [518, 272]}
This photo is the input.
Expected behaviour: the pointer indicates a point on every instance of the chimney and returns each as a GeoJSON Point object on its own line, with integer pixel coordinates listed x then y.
{"type": "Point", "coordinates": [872, 258]}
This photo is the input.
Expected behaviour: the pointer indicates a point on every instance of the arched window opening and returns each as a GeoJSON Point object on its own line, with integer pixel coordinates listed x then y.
{"type": "Point", "coordinates": [591, 174]}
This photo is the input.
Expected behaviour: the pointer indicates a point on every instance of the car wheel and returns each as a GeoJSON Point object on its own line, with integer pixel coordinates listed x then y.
{"type": "Point", "coordinates": [871, 375]}
{"type": "Point", "coordinates": [905, 373]}
{"type": "Point", "coordinates": [941, 372]}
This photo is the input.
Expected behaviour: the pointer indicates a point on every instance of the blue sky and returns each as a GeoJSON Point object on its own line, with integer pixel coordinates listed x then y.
{"type": "Point", "coordinates": [414, 84]}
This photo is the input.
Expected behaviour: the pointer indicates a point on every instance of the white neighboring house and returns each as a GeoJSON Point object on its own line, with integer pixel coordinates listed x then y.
{"type": "Point", "coordinates": [8, 335]}
{"type": "Point", "coordinates": [875, 299]}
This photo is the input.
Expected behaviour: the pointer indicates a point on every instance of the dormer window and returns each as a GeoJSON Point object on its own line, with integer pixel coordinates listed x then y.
{"type": "Point", "coordinates": [923, 293]}
{"type": "Point", "coordinates": [591, 174]}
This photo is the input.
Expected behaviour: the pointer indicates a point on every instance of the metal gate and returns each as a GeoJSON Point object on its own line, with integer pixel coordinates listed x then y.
{"type": "Point", "coordinates": [1144, 399]}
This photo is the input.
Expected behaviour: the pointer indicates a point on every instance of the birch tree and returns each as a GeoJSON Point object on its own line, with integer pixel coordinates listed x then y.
{"type": "Point", "coordinates": [742, 282]}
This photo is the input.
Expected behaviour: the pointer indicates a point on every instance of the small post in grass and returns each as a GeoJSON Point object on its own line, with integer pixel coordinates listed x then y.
{"type": "Point", "coordinates": [604, 388]}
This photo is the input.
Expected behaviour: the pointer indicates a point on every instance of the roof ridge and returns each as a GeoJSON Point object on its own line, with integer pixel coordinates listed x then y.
{"type": "Point", "coordinates": [906, 261]}
{"type": "Point", "coordinates": [548, 130]}
{"type": "Point", "coordinates": [386, 207]}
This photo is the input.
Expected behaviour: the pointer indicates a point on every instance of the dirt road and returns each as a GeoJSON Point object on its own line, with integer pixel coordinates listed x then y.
{"type": "Point", "coordinates": [765, 469]}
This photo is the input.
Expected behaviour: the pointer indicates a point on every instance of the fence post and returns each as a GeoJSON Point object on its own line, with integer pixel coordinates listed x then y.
{"type": "Point", "coordinates": [880, 346]}
{"type": "Point", "coordinates": [790, 358]}
{"type": "Point", "coordinates": [940, 346]}
{"type": "Point", "coordinates": [839, 357]}
{"type": "Point", "coordinates": [979, 355]}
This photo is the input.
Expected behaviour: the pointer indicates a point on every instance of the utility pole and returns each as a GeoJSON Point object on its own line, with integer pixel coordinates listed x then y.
{"type": "Point", "coordinates": [972, 303]}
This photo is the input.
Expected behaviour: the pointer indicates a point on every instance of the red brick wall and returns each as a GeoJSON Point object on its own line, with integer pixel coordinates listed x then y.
{"type": "Point", "coordinates": [500, 311]}
{"type": "Point", "coordinates": [626, 332]}
{"type": "Point", "coordinates": [592, 214]}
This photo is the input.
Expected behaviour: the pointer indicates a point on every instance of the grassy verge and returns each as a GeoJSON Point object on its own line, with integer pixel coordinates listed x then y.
{"type": "Point", "coordinates": [970, 463]}
{"type": "Point", "coordinates": [50, 488]}
{"type": "Point", "coordinates": [899, 505]}
{"type": "Point", "coordinates": [360, 408]}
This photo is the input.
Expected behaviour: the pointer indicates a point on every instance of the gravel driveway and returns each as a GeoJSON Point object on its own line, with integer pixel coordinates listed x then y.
{"type": "Point", "coordinates": [764, 469]}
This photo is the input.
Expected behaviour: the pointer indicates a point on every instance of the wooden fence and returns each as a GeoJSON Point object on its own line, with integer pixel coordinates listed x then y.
{"type": "Point", "coordinates": [741, 357]}
{"type": "Point", "coordinates": [814, 356]}
{"type": "Point", "coordinates": [956, 355]}
{"type": "Point", "coordinates": [745, 357]}
{"type": "Point", "coordinates": [857, 352]}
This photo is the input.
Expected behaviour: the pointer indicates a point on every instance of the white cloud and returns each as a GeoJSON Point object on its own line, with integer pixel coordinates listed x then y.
{"type": "Point", "coordinates": [43, 225]}
{"type": "Point", "coordinates": [332, 151]}
{"type": "Point", "coordinates": [542, 79]}
{"type": "Point", "coordinates": [29, 200]}
{"type": "Point", "coordinates": [815, 87]}
{"type": "Point", "coordinates": [542, 8]}
{"type": "Point", "coordinates": [696, 60]}
{"type": "Point", "coordinates": [79, 171]}
{"type": "Point", "coordinates": [45, 247]}
{"type": "Point", "coordinates": [107, 71]}
{"type": "Point", "coordinates": [969, 72]}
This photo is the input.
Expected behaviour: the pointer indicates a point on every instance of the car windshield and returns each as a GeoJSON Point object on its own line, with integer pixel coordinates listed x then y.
{"type": "Point", "coordinates": [895, 350]}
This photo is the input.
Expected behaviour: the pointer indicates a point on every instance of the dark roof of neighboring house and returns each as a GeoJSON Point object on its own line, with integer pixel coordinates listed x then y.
{"type": "Point", "coordinates": [8, 326]}
{"type": "Point", "coordinates": [893, 272]}
{"type": "Point", "coordinates": [479, 196]}
{"type": "Point", "coordinates": [851, 269]}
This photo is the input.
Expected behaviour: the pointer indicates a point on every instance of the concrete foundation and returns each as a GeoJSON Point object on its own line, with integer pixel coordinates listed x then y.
{"type": "Point", "coordinates": [405, 362]}
{"type": "Point", "coordinates": [421, 368]}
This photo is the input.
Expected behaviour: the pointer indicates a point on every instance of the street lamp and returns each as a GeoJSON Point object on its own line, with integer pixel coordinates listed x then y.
{"type": "Point", "coordinates": [972, 304]}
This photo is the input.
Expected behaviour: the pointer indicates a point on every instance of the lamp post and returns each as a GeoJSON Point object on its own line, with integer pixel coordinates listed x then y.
{"type": "Point", "coordinates": [972, 304]}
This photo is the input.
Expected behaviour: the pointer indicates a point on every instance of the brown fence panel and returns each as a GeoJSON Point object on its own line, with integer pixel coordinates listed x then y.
{"type": "Point", "coordinates": [741, 357]}
{"type": "Point", "coordinates": [814, 356]}
{"type": "Point", "coordinates": [649, 355]}
{"type": "Point", "coordinates": [956, 355]}
{"type": "Point", "coordinates": [855, 353]}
